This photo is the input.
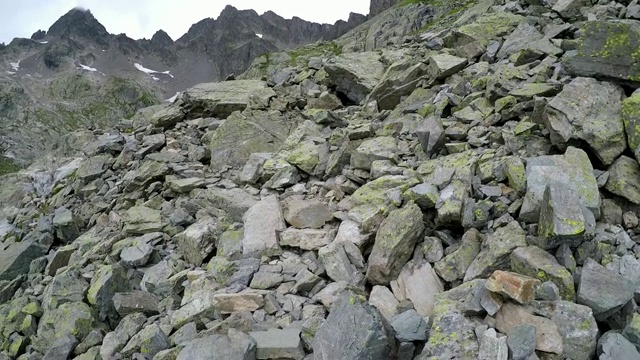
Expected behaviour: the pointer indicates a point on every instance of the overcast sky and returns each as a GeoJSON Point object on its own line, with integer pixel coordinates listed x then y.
{"type": "Point", "coordinates": [142, 18]}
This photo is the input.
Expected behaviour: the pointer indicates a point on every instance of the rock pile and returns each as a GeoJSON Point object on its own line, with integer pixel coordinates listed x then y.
{"type": "Point", "coordinates": [470, 193]}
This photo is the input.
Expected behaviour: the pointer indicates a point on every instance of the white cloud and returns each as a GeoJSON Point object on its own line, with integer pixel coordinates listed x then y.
{"type": "Point", "coordinates": [141, 19]}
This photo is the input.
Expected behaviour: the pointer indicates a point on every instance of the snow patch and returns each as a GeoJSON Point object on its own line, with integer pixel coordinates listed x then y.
{"type": "Point", "coordinates": [155, 78]}
{"type": "Point", "coordinates": [44, 42]}
{"type": "Point", "coordinates": [15, 65]}
{"type": "Point", "coordinates": [10, 72]}
{"type": "Point", "coordinates": [174, 97]}
{"type": "Point", "coordinates": [149, 71]}
{"type": "Point", "coordinates": [88, 68]}
{"type": "Point", "coordinates": [259, 35]}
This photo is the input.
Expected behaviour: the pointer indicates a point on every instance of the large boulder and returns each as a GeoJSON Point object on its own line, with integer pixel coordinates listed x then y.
{"type": "Point", "coordinates": [606, 50]}
{"type": "Point", "coordinates": [624, 179]}
{"type": "Point", "coordinates": [244, 134]}
{"type": "Point", "coordinates": [394, 244]}
{"type": "Point", "coordinates": [220, 99]}
{"type": "Point", "coordinates": [588, 110]}
{"type": "Point", "coordinates": [354, 329]}
{"type": "Point", "coordinates": [355, 74]}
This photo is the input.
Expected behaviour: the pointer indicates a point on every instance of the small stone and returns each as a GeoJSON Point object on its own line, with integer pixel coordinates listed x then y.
{"type": "Point", "coordinates": [384, 300]}
{"type": "Point", "coordinates": [278, 344]}
{"type": "Point", "coordinates": [409, 326]}
{"type": "Point", "coordinates": [136, 256]}
{"type": "Point", "coordinates": [135, 301]}
{"type": "Point", "coordinates": [522, 341]}
{"type": "Point", "coordinates": [493, 346]}
{"type": "Point", "coordinates": [613, 346]}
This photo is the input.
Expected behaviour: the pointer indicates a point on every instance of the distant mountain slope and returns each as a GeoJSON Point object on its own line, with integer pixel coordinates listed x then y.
{"type": "Point", "coordinates": [78, 75]}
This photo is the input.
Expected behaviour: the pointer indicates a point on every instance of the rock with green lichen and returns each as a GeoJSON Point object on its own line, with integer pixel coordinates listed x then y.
{"type": "Point", "coordinates": [394, 244]}
{"type": "Point", "coordinates": [576, 325]}
{"type": "Point", "coordinates": [442, 66]}
{"type": "Point", "coordinates": [74, 318]}
{"type": "Point", "coordinates": [588, 110]}
{"type": "Point", "coordinates": [198, 240]}
{"type": "Point", "coordinates": [561, 218]}
{"type": "Point", "coordinates": [452, 333]}
{"type": "Point", "coordinates": [490, 26]}
{"type": "Point", "coordinates": [535, 262]}
{"type": "Point", "coordinates": [355, 75]}
{"type": "Point", "coordinates": [450, 203]}
{"type": "Point", "coordinates": [375, 192]}
{"type": "Point", "coordinates": [108, 280]}
{"type": "Point", "coordinates": [244, 134]}
{"type": "Point", "coordinates": [379, 148]}
{"type": "Point", "coordinates": [140, 220]}
{"type": "Point", "coordinates": [624, 179]}
{"type": "Point", "coordinates": [399, 80]}
{"type": "Point", "coordinates": [496, 251]}
{"type": "Point", "coordinates": [607, 49]}
{"type": "Point", "coordinates": [354, 329]}
{"type": "Point", "coordinates": [454, 265]}
{"type": "Point", "coordinates": [526, 37]}
{"type": "Point", "coordinates": [148, 342]}
{"type": "Point", "coordinates": [574, 170]}
{"type": "Point", "coordinates": [425, 195]}
{"type": "Point", "coordinates": [511, 316]}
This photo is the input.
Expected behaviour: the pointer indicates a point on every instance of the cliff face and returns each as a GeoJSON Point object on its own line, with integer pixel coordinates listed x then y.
{"type": "Point", "coordinates": [77, 74]}
{"type": "Point", "coordinates": [378, 6]}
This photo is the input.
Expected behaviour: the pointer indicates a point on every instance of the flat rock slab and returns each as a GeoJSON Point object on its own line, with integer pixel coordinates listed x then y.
{"type": "Point", "coordinates": [220, 99]}
{"type": "Point", "coordinates": [603, 290]}
{"type": "Point", "coordinates": [278, 344]}
{"type": "Point", "coordinates": [261, 222]}
{"type": "Point", "coordinates": [515, 286]}
{"type": "Point", "coordinates": [548, 338]}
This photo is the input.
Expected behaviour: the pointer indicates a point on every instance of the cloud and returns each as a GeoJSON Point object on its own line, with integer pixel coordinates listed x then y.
{"type": "Point", "coordinates": [142, 18]}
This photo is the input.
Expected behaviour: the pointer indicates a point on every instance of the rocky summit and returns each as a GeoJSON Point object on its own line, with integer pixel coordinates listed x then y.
{"type": "Point", "coordinates": [447, 180]}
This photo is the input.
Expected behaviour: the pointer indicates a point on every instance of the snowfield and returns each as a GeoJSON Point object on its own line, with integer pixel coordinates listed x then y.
{"type": "Point", "coordinates": [149, 71]}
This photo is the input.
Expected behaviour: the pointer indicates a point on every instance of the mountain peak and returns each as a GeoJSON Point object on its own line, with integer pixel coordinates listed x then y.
{"type": "Point", "coordinates": [81, 23]}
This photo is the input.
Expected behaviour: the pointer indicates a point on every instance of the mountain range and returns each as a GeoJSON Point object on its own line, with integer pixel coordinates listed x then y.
{"type": "Point", "coordinates": [78, 75]}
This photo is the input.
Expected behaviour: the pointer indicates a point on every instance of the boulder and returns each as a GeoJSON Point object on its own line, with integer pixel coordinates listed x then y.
{"type": "Point", "coordinates": [602, 290]}
{"type": "Point", "coordinates": [278, 344]}
{"type": "Point", "coordinates": [355, 74]}
{"type": "Point", "coordinates": [624, 179]}
{"type": "Point", "coordinates": [496, 251]}
{"type": "Point", "coordinates": [561, 218]}
{"type": "Point", "coordinates": [589, 110]}
{"type": "Point", "coordinates": [515, 286]}
{"type": "Point", "coordinates": [198, 240]}
{"type": "Point", "coordinates": [233, 345]}
{"type": "Point", "coordinates": [535, 262]}
{"type": "Point", "coordinates": [576, 325]}
{"type": "Point", "coordinates": [337, 338]}
{"type": "Point", "coordinates": [305, 214]}
{"type": "Point", "coordinates": [262, 222]}
{"type": "Point", "coordinates": [604, 51]}
{"type": "Point", "coordinates": [613, 346]}
{"type": "Point", "coordinates": [394, 244]}
{"type": "Point", "coordinates": [220, 99]}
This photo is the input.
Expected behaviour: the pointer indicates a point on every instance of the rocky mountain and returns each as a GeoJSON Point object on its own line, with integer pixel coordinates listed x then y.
{"type": "Point", "coordinates": [78, 75]}
{"type": "Point", "coordinates": [470, 190]}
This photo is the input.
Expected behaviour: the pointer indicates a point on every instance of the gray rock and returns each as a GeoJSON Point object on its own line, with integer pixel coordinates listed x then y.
{"type": "Point", "coordinates": [92, 168]}
{"type": "Point", "coordinates": [410, 326]}
{"type": "Point", "coordinates": [337, 264]}
{"type": "Point", "coordinates": [261, 224]}
{"type": "Point", "coordinates": [419, 284]}
{"type": "Point", "coordinates": [526, 38]}
{"type": "Point", "coordinates": [522, 341]}
{"type": "Point", "coordinates": [561, 218]}
{"type": "Point", "coordinates": [394, 244]}
{"type": "Point", "coordinates": [252, 170]}
{"type": "Point", "coordinates": [62, 348]}
{"type": "Point", "coordinates": [496, 251]}
{"type": "Point", "coordinates": [198, 240]}
{"type": "Point", "coordinates": [548, 338]}
{"type": "Point", "coordinates": [60, 259]}
{"type": "Point", "coordinates": [623, 179]}
{"type": "Point", "coordinates": [66, 286]}
{"type": "Point", "coordinates": [66, 225]}
{"type": "Point", "coordinates": [454, 266]}
{"type": "Point", "coordinates": [140, 220]}
{"type": "Point", "coordinates": [114, 341]}
{"type": "Point", "coordinates": [338, 339]}
{"type": "Point", "coordinates": [278, 344]}
{"type": "Point", "coordinates": [230, 244]}
{"type": "Point", "coordinates": [573, 170]}
{"type": "Point", "coordinates": [244, 134]}
{"type": "Point", "coordinates": [425, 195]}
{"type": "Point", "coordinates": [307, 239]}
{"type": "Point", "coordinates": [493, 346]}
{"type": "Point", "coordinates": [379, 148]}
{"type": "Point", "coordinates": [151, 143]}
{"type": "Point", "coordinates": [355, 74]}
{"type": "Point", "coordinates": [234, 345]}
{"type": "Point", "coordinates": [108, 280]}
{"type": "Point", "coordinates": [588, 110]}
{"type": "Point", "coordinates": [135, 301]}
{"type": "Point", "coordinates": [72, 318]}
{"type": "Point", "coordinates": [384, 300]}
{"type": "Point", "coordinates": [220, 99]}
{"type": "Point", "coordinates": [167, 117]}
{"type": "Point", "coordinates": [613, 346]}
{"type": "Point", "coordinates": [632, 330]}
{"type": "Point", "coordinates": [617, 62]}
{"type": "Point", "coordinates": [602, 290]}
{"type": "Point", "coordinates": [441, 66]}
{"type": "Point", "coordinates": [576, 325]}
{"type": "Point", "coordinates": [234, 202]}
{"type": "Point", "coordinates": [137, 255]}
{"type": "Point", "coordinates": [15, 258]}
{"type": "Point", "coordinates": [305, 214]}
{"type": "Point", "coordinates": [535, 262]}
{"type": "Point", "coordinates": [182, 186]}
{"type": "Point", "coordinates": [148, 342]}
